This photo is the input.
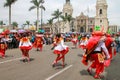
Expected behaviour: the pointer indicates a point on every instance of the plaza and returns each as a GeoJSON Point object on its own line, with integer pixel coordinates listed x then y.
{"type": "Point", "coordinates": [44, 19]}
{"type": "Point", "coordinates": [40, 67]}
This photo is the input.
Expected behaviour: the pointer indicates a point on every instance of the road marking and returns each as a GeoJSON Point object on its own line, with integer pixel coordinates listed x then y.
{"type": "Point", "coordinates": [11, 60]}
{"type": "Point", "coordinates": [49, 78]}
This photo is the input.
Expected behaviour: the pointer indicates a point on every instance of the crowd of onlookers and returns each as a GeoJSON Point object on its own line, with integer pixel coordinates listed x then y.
{"type": "Point", "coordinates": [12, 39]}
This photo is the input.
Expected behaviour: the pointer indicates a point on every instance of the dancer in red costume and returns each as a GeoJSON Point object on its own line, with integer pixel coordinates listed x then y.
{"type": "Point", "coordinates": [38, 42]}
{"type": "Point", "coordinates": [25, 46]}
{"type": "Point", "coordinates": [60, 50]}
{"type": "Point", "coordinates": [94, 53]}
{"type": "Point", "coordinates": [109, 41]}
{"type": "Point", "coordinates": [74, 40]}
{"type": "Point", "coordinates": [83, 42]}
{"type": "Point", "coordinates": [3, 46]}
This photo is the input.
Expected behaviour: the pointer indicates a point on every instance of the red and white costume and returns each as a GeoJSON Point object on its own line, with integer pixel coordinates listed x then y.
{"type": "Point", "coordinates": [94, 53]}
{"type": "Point", "coordinates": [109, 41]}
{"type": "Point", "coordinates": [74, 41]}
{"type": "Point", "coordinates": [61, 48]}
{"type": "Point", "coordinates": [38, 42]}
{"type": "Point", "coordinates": [83, 42]}
{"type": "Point", "coordinates": [3, 47]}
{"type": "Point", "coordinates": [25, 46]}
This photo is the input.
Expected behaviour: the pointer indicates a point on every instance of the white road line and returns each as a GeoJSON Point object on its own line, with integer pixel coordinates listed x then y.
{"type": "Point", "coordinates": [11, 60]}
{"type": "Point", "coordinates": [49, 78]}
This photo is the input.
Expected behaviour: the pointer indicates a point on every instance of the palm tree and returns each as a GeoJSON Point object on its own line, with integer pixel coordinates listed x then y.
{"type": "Point", "coordinates": [35, 23]}
{"type": "Point", "coordinates": [50, 22]}
{"type": "Point", "coordinates": [23, 26]}
{"type": "Point", "coordinates": [66, 18]}
{"type": "Point", "coordinates": [14, 24]}
{"type": "Point", "coordinates": [37, 4]}
{"type": "Point", "coordinates": [28, 23]}
{"type": "Point", "coordinates": [42, 8]}
{"type": "Point", "coordinates": [57, 15]}
{"type": "Point", "coordinates": [1, 23]}
{"type": "Point", "coordinates": [8, 4]}
{"type": "Point", "coordinates": [69, 19]}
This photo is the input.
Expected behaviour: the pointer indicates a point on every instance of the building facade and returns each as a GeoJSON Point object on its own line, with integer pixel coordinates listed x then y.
{"type": "Point", "coordinates": [83, 23]}
{"type": "Point", "coordinates": [101, 14]}
{"type": "Point", "coordinates": [113, 28]}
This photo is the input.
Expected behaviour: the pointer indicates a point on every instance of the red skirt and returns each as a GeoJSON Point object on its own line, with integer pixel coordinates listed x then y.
{"type": "Point", "coordinates": [2, 52]}
{"type": "Point", "coordinates": [74, 42]}
{"type": "Point", "coordinates": [26, 47]}
{"type": "Point", "coordinates": [82, 46]}
{"type": "Point", "coordinates": [38, 45]}
{"type": "Point", "coordinates": [65, 51]}
{"type": "Point", "coordinates": [107, 63]}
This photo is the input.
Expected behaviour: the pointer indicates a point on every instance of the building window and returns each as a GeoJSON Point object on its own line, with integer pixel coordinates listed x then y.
{"type": "Point", "coordinates": [91, 21]}
{"type": "Point", "coordinates": [100, 11]}
{"type": "Point", "coordinates": [81, 21]}
{"type": "Point", "coordinates": [100, 21]}
{"type": "Point", "coordinates": [91, 30]}
{"type": "Point", "coordinates": [82, 29]}
{"type": "Point", "coordinates": [65, 14]}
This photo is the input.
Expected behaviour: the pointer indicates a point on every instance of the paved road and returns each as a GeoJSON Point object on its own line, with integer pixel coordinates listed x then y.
{"type": "Point", "coordinates": [39, 68]}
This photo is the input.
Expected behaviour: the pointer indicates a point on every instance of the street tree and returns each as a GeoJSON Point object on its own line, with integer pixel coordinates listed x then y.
{"type": "Point", "coordinates": [9, 4]}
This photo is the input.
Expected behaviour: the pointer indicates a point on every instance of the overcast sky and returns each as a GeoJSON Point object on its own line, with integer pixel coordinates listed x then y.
{"type": "Point", "coordinates": [20, 11]}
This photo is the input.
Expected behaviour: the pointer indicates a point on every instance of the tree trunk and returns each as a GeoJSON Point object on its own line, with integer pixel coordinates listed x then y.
{"type": "Point", "coordinates": [28, 26]}
{"type": "Point", "coordinates": [37, 18]}
{"type": "Point", "coordinates": [41, 17]}
{"type": "Point", "coordinates": [58, 26]}
{"type": "Point", "coordinates": [51, 29]}
{"type": "Point", "coordinates": [9, 17]}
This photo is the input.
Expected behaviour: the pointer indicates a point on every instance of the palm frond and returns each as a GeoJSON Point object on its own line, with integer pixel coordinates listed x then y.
{"type": "Point", "coordinates": [31, 8]}
{"type": "Point", "coordinates": [63, 18]}
{"type": "Point", "coordinates": [9, 2]}
{"type": "Point", "coordinates": [15, 24]}
{"type": "Point", "coordinates": [28, 22]}
{"type": "Point", "coordinates": [50, 21]}
{"type": "Point", "coordinates": [13, 1]}
{"type": "Point", "coordinates": [41, 1]}
{"type": "Point", "coordinates": [6, 5]}
{"type": "Point", "coordinates": [35, 2]}
{"type": "Point", "coordinates": [42, 7]}
{"type": "Point", "coordinates": [57, 14]}
{"type": "Point", "coordinates": [69, 18]}
{"type": "Point", "coordinates": [1, 23]}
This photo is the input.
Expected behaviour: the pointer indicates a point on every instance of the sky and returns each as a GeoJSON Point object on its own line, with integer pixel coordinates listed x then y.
{"type": "Point", "coordinates": [21, 13]}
